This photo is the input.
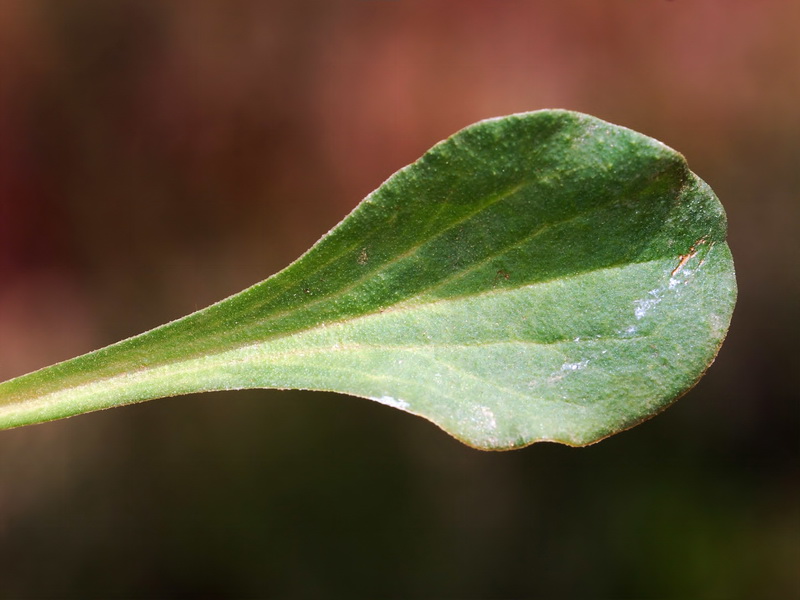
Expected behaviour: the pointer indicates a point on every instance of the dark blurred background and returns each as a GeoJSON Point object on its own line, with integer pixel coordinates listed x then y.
{"type": "Point", "coordinates": [156, 157]}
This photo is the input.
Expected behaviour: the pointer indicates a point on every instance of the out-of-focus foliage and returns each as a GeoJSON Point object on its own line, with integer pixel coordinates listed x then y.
{"type": "Point", "coordinates": [144, 144]}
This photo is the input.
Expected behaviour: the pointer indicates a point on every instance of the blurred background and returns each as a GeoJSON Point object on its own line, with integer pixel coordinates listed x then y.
{"type": "Point", "coordinates": [156, 157]}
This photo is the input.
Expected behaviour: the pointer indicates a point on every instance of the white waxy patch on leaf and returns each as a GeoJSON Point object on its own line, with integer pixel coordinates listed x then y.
{"type": "Point", "coordinates": [393, 402]}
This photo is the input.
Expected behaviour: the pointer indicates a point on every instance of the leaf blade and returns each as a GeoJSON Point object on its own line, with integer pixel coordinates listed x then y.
{"type": "Point", "coordinates": [529, 218]}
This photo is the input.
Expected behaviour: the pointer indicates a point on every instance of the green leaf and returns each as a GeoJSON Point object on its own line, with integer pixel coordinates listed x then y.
{"type": "Point", "coordinates": [541, 276]}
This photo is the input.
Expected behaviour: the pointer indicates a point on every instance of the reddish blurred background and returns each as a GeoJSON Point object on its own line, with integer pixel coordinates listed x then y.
{"type": "Point", "coordinates": [156, 157]}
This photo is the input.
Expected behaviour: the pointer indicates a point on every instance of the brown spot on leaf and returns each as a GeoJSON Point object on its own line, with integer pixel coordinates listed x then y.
{"type": "Point", "coordinates": [684, 258]}
{"type": "Point", "coordinates": [501, 274]}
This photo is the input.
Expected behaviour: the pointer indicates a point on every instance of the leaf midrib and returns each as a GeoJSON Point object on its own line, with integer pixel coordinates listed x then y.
{"type": "Point", "coordinates": [411, 251]}
{"type": "Point", "coordinates": [190, 365]}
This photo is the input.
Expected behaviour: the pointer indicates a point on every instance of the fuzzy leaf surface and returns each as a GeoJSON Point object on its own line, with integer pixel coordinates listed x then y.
{"type": "Point", "coordinates": [541, 276]}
